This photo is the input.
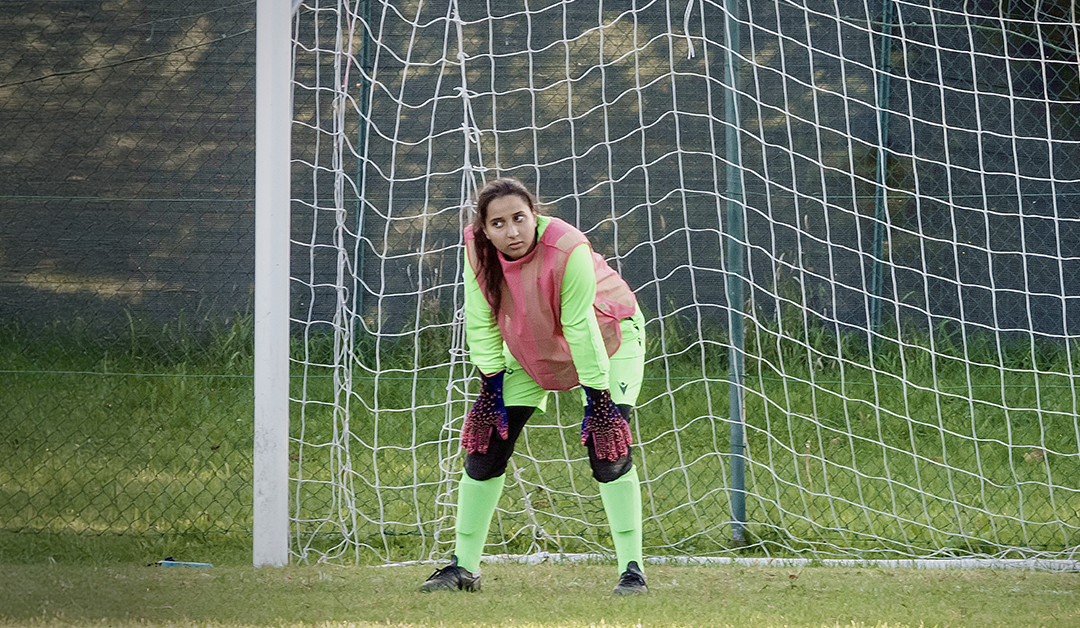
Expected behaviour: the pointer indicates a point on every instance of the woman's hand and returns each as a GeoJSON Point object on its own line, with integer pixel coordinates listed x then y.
{"type": "Point", "coordinates": [487, 413]}
{"type": "Point", "coordinates": [605, 424]}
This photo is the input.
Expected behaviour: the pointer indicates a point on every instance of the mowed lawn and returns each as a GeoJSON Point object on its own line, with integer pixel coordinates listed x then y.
{"type": "Point", "coordinates": [547, 595]}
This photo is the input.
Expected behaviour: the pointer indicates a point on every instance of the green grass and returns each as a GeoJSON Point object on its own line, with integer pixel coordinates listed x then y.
{"type": "Point", "coordinates": [142, 443]}
{"type": "Point", "coordinates": [537, 596]}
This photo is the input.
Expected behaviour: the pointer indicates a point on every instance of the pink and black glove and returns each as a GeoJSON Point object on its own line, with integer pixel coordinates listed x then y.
{"type": "Point", "coordinates": [487, 413]}
{"type": "Point", "coordinates": [605, 424]}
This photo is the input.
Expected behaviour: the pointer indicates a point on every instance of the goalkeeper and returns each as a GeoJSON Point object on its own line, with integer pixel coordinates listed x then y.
{"type": "Point", "coordinates": [544, 312]}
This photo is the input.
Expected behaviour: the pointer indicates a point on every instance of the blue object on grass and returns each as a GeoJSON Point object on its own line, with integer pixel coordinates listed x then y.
{"type": "Point", "coordinates": [180, 563]}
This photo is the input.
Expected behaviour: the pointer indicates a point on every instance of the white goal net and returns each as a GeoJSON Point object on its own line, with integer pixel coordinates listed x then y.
{"type": "Point", "coordinates": [853, 228]}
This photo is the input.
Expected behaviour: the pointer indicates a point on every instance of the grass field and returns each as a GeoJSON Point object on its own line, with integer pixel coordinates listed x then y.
{"type": "Point", "coordinates": [539, 596]}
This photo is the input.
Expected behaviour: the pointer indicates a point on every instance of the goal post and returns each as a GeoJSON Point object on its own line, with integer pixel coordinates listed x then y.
{"type": "Point", "coordinates": [273, 103]}
{"type": "Point", "coordinates": [862, 218]}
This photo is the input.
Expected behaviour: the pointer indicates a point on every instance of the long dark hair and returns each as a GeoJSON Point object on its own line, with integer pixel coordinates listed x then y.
{"type": "Point", "coordinates": [489, 271]}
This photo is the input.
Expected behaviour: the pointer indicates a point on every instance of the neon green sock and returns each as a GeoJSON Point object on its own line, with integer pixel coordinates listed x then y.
{"type": "Point", "coordinates": [476, 505]}
{"type": "Point", "coordinates": [622, 503]}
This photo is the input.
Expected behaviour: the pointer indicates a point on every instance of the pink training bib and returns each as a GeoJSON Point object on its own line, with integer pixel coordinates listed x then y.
{"type": "Point", "coordinates": [530, 308]}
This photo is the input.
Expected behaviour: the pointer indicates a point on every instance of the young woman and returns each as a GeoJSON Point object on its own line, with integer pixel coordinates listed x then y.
{"type": "Point", "coordinates": [544, 312]}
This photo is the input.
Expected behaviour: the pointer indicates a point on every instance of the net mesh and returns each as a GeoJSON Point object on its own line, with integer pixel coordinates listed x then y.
{"type": "Point", "coordinates": [906, 238]}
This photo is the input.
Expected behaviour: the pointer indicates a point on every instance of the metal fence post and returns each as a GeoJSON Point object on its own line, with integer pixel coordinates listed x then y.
{"type": "Point", "coordinates": [880, 196]}
{"type": "Point", "coordinates": [735, 232]}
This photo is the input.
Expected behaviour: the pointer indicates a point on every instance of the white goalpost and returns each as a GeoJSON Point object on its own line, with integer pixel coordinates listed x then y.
{"type": "Point", "coordinates": [853, 228]}
{"type": "Point", "coordinates": [270, 490]}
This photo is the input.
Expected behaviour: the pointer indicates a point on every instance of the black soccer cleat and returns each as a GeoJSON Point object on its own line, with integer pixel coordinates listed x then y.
{"type": "Point", "coordinates": [632, 581]}
{"type": "Point", "coordinates": [452, 578]}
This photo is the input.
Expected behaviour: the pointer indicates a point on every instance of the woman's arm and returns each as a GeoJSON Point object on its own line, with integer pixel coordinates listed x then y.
{"type": "Point", "coordinates": [582, 332]}
{"type": "Point", "coordinates": [481, 333]}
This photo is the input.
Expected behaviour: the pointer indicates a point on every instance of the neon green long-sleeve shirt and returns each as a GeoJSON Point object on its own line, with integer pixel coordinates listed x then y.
{"type": "Point", "coordinates": [577, 316]}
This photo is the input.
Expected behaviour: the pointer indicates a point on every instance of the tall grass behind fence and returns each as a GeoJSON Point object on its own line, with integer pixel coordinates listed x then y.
{"type": "Point", "coordinates": [114, 439]}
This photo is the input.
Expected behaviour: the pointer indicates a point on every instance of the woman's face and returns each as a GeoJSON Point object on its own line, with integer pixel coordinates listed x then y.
{"type": "Point", "coordinates": [511, 225]}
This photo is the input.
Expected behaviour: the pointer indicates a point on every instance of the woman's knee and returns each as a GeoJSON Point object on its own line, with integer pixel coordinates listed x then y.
{"type": "Point", "coordinates": [482, 467]}
{"type": "Point", "coordinates": [492, 464]}
{"type": "Point", "coordinates": [605, 471]}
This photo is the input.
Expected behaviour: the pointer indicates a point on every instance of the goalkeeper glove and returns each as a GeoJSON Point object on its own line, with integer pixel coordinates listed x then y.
{"type": "Point", "coordinates": [605, 424]}
{"type": "Point", "coordinates": [487, 413]}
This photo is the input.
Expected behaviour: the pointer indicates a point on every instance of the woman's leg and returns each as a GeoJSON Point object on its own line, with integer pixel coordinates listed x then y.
{"type": "Point", "coordinates": [476, 504]}
{"type": "Point", "coordinates": [622, 504]}
{"type": "Point", "coordinates": [620, 489]}
{"type": "Point", "coordinates": [482, 483]}
{"type": "Point", "coordinates": [480, 489]}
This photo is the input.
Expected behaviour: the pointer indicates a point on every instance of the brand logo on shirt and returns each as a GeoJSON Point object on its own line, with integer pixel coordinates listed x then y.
{"type": "Point", "coordinates": [622, 386]}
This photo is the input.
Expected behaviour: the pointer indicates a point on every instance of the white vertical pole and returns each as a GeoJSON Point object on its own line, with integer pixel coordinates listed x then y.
{"type": "Point", "coordinates": [273, 119]}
